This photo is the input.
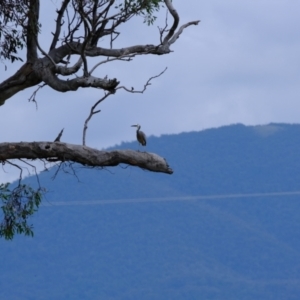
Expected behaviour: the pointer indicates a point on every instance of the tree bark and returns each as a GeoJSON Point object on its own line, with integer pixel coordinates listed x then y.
{"type": "Point", "coordinates": [57, 151]}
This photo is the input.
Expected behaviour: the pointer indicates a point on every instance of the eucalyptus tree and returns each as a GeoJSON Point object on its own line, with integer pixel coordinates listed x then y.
{"type": "Point", "coordinates": [77, 31]}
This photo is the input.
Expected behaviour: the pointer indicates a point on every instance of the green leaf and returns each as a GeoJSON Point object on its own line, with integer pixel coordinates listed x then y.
{"type": "Point", "coordinates": [18, 205]}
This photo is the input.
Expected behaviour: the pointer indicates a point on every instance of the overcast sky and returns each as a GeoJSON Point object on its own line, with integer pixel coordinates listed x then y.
{"type": "Point", "coordinates": [241, 64]}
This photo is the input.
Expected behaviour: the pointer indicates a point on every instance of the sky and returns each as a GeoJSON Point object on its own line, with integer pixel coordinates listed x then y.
{"type": "Point", "coordinates": [241, 64]}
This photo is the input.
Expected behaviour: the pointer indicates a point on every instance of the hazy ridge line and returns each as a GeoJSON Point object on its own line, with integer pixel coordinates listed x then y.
{"type": "Point", "coordinates": [165, 199]}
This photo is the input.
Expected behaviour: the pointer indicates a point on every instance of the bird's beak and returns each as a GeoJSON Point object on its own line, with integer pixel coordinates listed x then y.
{"type": "Point", "coordinates": [133, 125]}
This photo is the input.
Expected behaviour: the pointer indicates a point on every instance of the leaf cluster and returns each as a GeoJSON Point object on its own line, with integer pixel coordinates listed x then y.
{"type": "Point", "coordinates": [13, 15]}
{"type": "Point", "coordinates": [18, 205]}
{"type": "Point", "coordinates": [145, 8]}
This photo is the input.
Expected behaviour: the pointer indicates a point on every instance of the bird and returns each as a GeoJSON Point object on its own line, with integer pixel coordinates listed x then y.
{"type": "Point", "coordinates": [59, 136]}
{"type": "Point", "coordinates": [140, 135]}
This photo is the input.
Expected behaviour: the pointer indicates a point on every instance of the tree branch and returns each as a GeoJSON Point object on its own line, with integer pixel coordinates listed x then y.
{"type": "Point", "coordinates": [32, 30]}
{"type": "Point", "coordinates": [22, 79]}
{"type": "Point", "coordinates": [59, 23]}
{"type": "Point", "coordinates": [75, 48]}
{"type": "Point", "coordinates": [171, 37]}
{"type": "Point", "coordinates": [132, 90]}
{"type": "Point", "coordinates": [83, 155]}
{"type": "Point", "coordinates": [175, 16]}
{"type": "Point", "coordinates": [65, 71]}
{"type": "Point", "coordinates": [72, 85]}
{"type": "Point", "coordinates": [32, 97]}
{"type": "Point", "coordinates": [180, 30]}
{"type": "Point", "coordinates": [18, 167]}
{"type": "Point", "coordinates": [92, 112]}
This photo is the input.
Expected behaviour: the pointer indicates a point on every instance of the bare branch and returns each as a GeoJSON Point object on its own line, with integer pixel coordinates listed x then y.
{"type": "Point", "coordinates": [101, 30]}
{"type": "Point", "coordinates": [22, 79]}
{"type": "Point", "coordinates": [32, 97]}
{"type": "Point", "coordinates": [145, 85]}
{"type": "Point", "coordinates": [122, 58]}
{"type": "Point", "coordinates": [87, 34]}
{"type": "Point", "coordinates": [34, 168]}
{"type": "Point", "coordinates": [59, 23]}
{"type": "Point", "coordinates": [180, 30]}
{"type": "Point", "coordinates": [92, 112]}
{"type": "Point", "coordinates": [65, 71]}
{"type": "Point", "coordinates": [113, 38]}
{"type": "Point", "coordinates": [18, 167]}
{"type": "Point", "coordinates": [75, 48]}
{"type": "Point", "coordinates": [57, 170]}
{"type": "Point", "coordinates": [163, 30]}
{"type": "Point", "coordinates": [175, 15]}
{"type": "Point", "coordinates": [171, 37]}
{"type": "Point", "coordinates": [64, 167]}
{"type": "Point", "coordinates": [71, 31]}
{"type": "Point", "coordinates": [143, 49]}
{"type": "Point", "coordinates": [72, 85]}
{"type": "Point", "coordinates": [45, 53]}
{"type": "Point", "coordinates": [83, 155]}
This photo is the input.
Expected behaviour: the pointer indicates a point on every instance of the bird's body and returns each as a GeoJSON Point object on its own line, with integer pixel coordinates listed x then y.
{"type": "Point", "coordinates": [59, 136]}
{"type": "Point", "coordinates": [140, 135]}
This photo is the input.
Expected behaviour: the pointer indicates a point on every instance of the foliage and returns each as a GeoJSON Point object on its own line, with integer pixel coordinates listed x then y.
{"type": "Point", "coordinates": [12, 35]}
{"type": "Point", "coordinates": [142, 7]}
{"type": "Point", "coordinates": [18, 205]}
{"type": "Point", "coordinates": [13, 20]}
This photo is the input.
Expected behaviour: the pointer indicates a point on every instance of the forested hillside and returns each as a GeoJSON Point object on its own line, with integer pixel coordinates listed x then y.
{"type": "Point", "coordinates": [225, 225]}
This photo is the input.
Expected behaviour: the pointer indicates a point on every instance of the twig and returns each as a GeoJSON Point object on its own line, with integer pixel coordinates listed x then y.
{"type": "Point", "coordinates": [21, 170]}
{"type": "Point", "coordinates": [57, 170]}
{"type": "Point", "coordinates": [34, 167]}
{"type": "Point", "coordinates": [32, 97]}
{"type": "Point", "coordinates": [93, 112]}
{"type": "Point", "coordinates": [45, 53]}
{"type": "Point", "coordinates": [122, 58]}
{"type": "Point", "coordinates": [59, 23]}
{"type": "Point", "coordinates": [145, 85]}
{"type": "Point", "coordinates": [163, 30]}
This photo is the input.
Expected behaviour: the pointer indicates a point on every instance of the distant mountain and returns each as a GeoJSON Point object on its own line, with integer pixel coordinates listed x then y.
{"type": "Point", "coordinates": [225, 225]}
{"type": "Point", "coordinates": [230, 159]}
